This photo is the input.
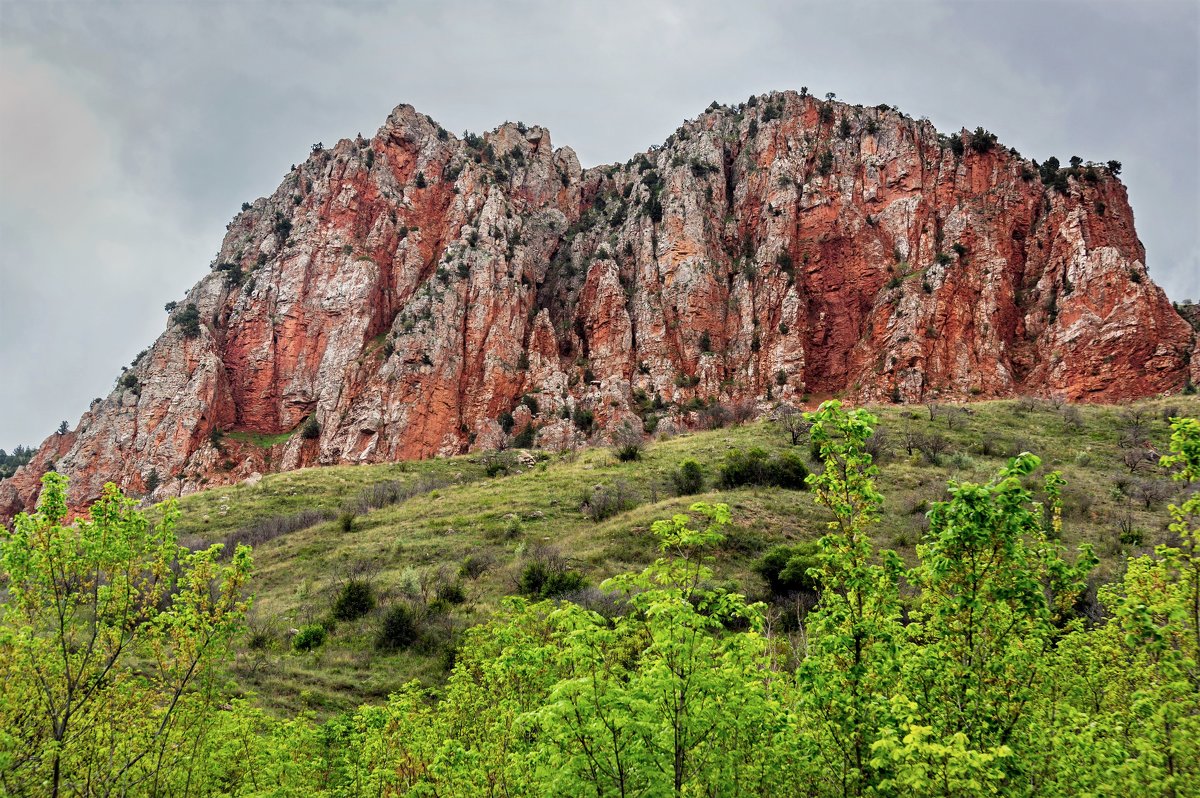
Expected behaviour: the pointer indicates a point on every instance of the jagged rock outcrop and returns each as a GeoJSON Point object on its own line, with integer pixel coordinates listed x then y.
{"type": "Point", "coordinates": [398, 296]}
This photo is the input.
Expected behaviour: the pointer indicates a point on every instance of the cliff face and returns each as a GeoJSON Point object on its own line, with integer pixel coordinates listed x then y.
{"type": "Point", "coordinates": [397, 297]}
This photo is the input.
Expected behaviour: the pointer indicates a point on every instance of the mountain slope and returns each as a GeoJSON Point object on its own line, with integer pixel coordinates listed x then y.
{"type": "Point", "coordinates": [397, 297]}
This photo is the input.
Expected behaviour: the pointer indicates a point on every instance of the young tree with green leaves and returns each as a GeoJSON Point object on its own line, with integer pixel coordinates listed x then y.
{"type": "Point", "coordinates": [111, 634]}
{"type": "Point", "coordinates": [993, 594]}
{"type": "Point", "coordinates": [851, 666]}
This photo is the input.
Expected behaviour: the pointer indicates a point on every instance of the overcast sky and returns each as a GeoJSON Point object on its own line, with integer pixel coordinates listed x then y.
{"type": "Point", "coordinates": [131, 132]}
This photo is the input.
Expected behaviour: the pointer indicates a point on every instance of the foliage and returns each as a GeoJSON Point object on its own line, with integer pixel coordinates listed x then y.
{"type": "Point", "coordinates": [112, 636]}
{"type": "Point", "coordinates": [583, 419]}
{"type": "Point", "coordinates": [188, 320]}
{"type": "Point", "coordinates": [311, 429]}
{"type": "Point", "coordinates": [543, 580]}
{"type": "Point", "coordinates": [356, 599]}
{"type": "Point", "coordinates": [10, 462]}
{"type": "Point", "coordinates": [398, 629]}
{"type": "Point", "coordinates": [311, 636]}
{"type": "Point", "coordinates": [628, 443]}
{"type": "Point", "coordinates": [757, 467]}
{"type": "Point", "coordinates": [688, 479]}
{"type": "Point", "coordinates": [977, 670]}
{"type": "Point", "coordinates": [790, 569]}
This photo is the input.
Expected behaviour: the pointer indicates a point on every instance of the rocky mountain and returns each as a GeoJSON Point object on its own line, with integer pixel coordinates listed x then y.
{"type": "Point", "coordinates": [416, 294]}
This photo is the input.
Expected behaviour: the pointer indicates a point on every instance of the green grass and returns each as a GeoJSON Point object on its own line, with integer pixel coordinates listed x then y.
{"type": "Point", "coordinates": [261, 440]}
{"type": "Point", "coordinates": [506, 520]}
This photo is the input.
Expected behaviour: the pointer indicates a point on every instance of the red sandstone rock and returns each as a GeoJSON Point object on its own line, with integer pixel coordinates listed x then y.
{"type": "Point", "coordinates": [407, 290]}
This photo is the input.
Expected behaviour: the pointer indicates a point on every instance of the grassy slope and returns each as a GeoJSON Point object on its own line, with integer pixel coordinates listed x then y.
{"type": "Point", "coordinates": [507, 519]}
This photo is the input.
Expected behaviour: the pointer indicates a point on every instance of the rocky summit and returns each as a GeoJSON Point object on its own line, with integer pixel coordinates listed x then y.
{"type": "Point", "coordinates": [417, 294]}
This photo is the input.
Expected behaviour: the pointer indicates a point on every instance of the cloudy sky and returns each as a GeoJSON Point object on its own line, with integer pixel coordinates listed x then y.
{"type": "Point", "coordinates": [131, 132]}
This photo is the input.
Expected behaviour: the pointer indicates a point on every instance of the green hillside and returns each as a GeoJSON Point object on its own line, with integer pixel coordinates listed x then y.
{"type": "Point", "coordinates": [456, 540]}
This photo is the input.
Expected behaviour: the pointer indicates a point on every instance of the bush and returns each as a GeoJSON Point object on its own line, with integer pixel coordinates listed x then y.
{"type": "Point", "coordinates": [605, 501]}
{"type": "Point", "coordinates": [525, 438]}
{"type": "Point", "coordinates": [628, 443]}
{"type": "Point", "coordinates": [757, 467]}
{"type": "Point", "coordinates": [715, 415]}
{"type": "Point", "coordinates": [786, 569]}
{"type": "Point", "coordinates": [474, 566]}
{"type": "Point", "coordinates": [189, 321]}
{"type": "Point", "coordinates": [309, 637]}
{"type": "Point", "coordinates": [346, 522]}
{"type": "Point", "coordinates": [584, 419]}
{"type": "Point", "coordinates": [311, 429]}
{"type": "Point", "coordinates": [399, 629]}
{"type": "Point", "coordinates": [689, 479]}
{"type": "Point", "coordinates": [541, 579]}
{"type": "Point", "coordinates": [825, 163]}
{"type": "Point", "coordinates": [982, 140]}
{"type": "Point", "coordinates": [355, 600]}
{"type": "Point", "coordinates": [451, 593]}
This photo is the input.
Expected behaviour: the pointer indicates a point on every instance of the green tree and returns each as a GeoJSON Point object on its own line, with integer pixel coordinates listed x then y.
{"type": "Point", "coordinates": [993, 594]}
{"type": "Point", "coordinates": [112, 634]}
{"type": "Point", "coordinates": [665, 700]}
{"type": "Point", "coordinates": [851, 665]}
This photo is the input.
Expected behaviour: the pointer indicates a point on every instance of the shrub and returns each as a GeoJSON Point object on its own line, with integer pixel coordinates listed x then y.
{"type": "Point", "coordinates": [474, 566]}
{"type": "Point", "coordinates": [346, 522]}
{"type": "Point", "coordinates": [420, 182]}
{"type": "Point", "coordinates": [525, 438]}
{"type": "Point", "coordinates": [933, 446]}
{"type": "Point", "coordinates": [982, 140]}
{"type": "Point", "coordinates": [542, 579]}
{"type": "Point", "coordinates": [628, 443]}
{"type": "Point", "coordinates": [688, 479]}
{"type": "Point", "coordinates": [584, 419]}
{"type": "Point", "coordinates": [451, 593]}
{"type": "Point", "coordinates": [311, 429]}
{"type": "Point", "coordinates": [309, 637]}
{"type": "Point", "coordinates": [354, 601]}
{"type": "Point", "coordinates": [560, 583]}
{"type": "Point", "coordinates": [757, 467]}
{"type": "Point", "coordinates": [605, 501]}
{"type": "Point", "coordinates": [715, 416]}
{"type": "Point", "coordinates": [399, 629]}
{"type": "Point", "coordinates": [497, 463]}
{"type": "Point", "coordinates": [825, 163]}
{"type": "Point", "coordinates": [785, 568]}
{"type": "Point", "coordinates": [189, 321]}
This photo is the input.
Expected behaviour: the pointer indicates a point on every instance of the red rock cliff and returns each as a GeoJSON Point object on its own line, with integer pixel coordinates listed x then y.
{"type": "Point", "coordinates": [404, 292]}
